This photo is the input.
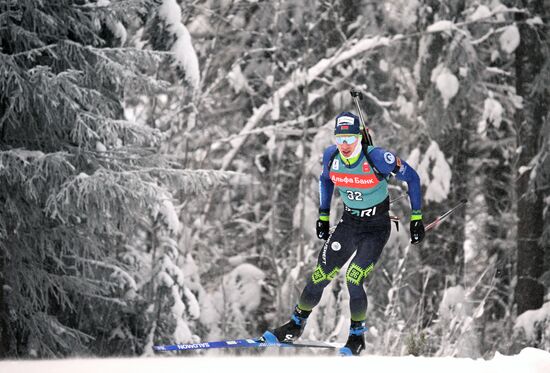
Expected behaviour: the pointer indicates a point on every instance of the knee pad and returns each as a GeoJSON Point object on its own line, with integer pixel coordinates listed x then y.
{"type": "Point", "coordinates": [355, 274]}
{"type": "Point", "coordinates": [319, 275]}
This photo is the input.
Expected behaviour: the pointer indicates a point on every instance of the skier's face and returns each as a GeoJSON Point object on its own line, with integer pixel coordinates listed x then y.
{"type": "Point", "coordinates": [346, 144]}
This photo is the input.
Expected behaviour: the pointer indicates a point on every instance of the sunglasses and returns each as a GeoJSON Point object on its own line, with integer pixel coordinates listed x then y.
{"type": "Point", "coordinates": [346, 139]}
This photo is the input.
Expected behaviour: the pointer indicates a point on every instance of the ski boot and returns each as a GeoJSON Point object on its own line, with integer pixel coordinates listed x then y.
{"type": "Point", "coordinates": [289, 332]}
{"type": "Point", "coordinates": [356, 340]}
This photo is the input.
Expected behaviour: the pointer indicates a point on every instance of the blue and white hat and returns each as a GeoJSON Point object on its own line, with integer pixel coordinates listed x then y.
{"type": "Point", "coordinates": [347, 124]}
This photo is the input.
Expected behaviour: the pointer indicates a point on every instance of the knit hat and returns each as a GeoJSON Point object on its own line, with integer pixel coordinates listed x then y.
{"type": "Point", "coordinates": [347, 124]}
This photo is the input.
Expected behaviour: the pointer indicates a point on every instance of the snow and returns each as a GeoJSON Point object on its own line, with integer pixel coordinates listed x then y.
{"type": "Point", "coordinates": [403, 12]}
{"type": "Point", "coordinates": [341, 99]}
{"type": "Point", "coordinates": [524, 169]}
{"type": "Point", "coordinates": [492, 114]}
{"type": "Point", "coordinates": [493, 111]}
{"type": "Point", "coordinates": [193, 307]}
{"type": "Point", "coordinates": [184, 52]}
{"type": "Point", "coordinates": [300, 75]}
{"type": "Point", "coordinates": [276, 112]}
{"type": "Point", "coordinates": [182, 331]}
{"type": "Point", "coordinates": [191, 120]}
{"type": "Point", "coordinates": [471, 249]}
{"type": "Point", "coordinates": [100, 147]}
{"type": "Point", "coordinates": [481, 12]}
{"type": "Point", "coordinates": [315, 95]}
{"type": "Point", "coordinates": [534, 21]}
{"type": "Point", "coordinates": [509, 39]}
{"type": "Point", "coordinates": [406, 77]}
{"type": "Point", "coordinates": [26, 155]}
{"type": "Point", "coordinates": [243, 288]}
{"type": "Point", "coordinates": [453, 302]}
{"type": "Point", "coordinates": [269, 80]}
{"type": "Point", "coordinates": [496, 70]}
{"type": "Point", "coordinates": [119, 31]}
{"type": "Point", "coordinates": [529, 360]}
{"type": "Point", "coordinates": [528, 319]}
{"type": "Point", "coordinates": [237, 79]}
{"type": "Point", "coordinates": [170, 275]}
{"type": "Point", "coordinates": [383, 65]}
{"type": "Point", "coordinates": [406, 108]}
{"type": "Point", "coordinates": [440, 26]}
{"type": "Point", "coordinates": [446, 82]}
{"type": "Point", "coordinates": [437, 179]}
{"type": "Point", "coordinates": [168, 211]}
{"type": "Point", "coordinates": [240, 295]}
{"type": "Point", "coordinates": [200, 24]}
{"type": "Point", "coordinates": [516, 100]}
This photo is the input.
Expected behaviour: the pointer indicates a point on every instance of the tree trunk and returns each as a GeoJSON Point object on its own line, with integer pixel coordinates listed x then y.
{"type": "Point", "coordinates": [4, 315]}
{"type": "Point", "coordinates": [529, 291]}
{"type": "Point", "coordinates": [449, 128]}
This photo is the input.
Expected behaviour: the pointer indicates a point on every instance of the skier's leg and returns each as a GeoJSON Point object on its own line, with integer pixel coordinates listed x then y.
{"type": "Point", "coordinates": [334, 254]}
{"type": "Point", "coordinates": [371, 242]}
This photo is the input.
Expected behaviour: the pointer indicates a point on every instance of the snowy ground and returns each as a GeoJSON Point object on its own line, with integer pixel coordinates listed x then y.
{"type": "Point", "coordinates": [530, 360]}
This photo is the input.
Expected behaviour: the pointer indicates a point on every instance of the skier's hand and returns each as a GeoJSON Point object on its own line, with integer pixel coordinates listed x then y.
{"type": "Point", "coordinates": [417, 231]}
{"type": "Point", "coordinates": [323, 227]}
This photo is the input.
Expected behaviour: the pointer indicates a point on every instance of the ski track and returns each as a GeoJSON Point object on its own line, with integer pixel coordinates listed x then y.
{"type": "Point", "coordinates": [529, 360]}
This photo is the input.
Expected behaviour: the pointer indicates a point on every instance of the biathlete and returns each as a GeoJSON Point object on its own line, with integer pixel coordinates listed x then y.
{"type": "Point", "coordinates": [360, 173]}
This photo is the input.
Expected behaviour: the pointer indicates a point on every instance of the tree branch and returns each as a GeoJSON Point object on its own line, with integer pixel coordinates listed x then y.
{"type": "Point", "coordinates": [299, 78]}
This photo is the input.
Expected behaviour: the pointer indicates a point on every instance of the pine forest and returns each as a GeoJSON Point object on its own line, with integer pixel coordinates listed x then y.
{"type": "Point", "coordinates": [160, 161]}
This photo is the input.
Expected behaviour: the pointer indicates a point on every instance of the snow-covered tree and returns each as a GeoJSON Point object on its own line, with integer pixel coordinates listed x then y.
{"type": "Point", "coordinates": [110, 112]}
{"type": "Point", "coordinates": [78, 180]}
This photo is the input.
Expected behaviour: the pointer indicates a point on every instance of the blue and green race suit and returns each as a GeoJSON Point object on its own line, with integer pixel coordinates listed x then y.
{"type": "Point", "coordinates": [358, 184]}
{"type": "Point", "coordinates": [365, 225]}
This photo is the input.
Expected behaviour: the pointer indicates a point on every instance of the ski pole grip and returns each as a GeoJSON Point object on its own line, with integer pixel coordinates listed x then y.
{"type": "Point", "coordinates": [356, 94]}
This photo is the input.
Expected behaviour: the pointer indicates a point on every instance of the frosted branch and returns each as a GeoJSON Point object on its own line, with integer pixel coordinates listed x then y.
{"type": "Point", "coordinates": [129, 280]}
{"type": "Point", "coordinates": [299, 78]}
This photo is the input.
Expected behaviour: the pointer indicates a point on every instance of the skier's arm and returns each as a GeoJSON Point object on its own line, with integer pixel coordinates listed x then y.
{"type": "Point", "coordinates": [407, 174]}
{"type": "Point", "coordinates": [326, 186]}
{"type": "Point", "coordinates": [388, 163]}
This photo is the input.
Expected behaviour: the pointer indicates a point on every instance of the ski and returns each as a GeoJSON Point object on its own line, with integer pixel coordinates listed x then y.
{"type": "Point", "coordinates": [235, 343]}
{"type": "Point", "coordinates": [434, 224]}
{"type": "Point", "coordinates": [269, 337]}
{"type": "Point", "coordinates": [239, 343]}
{"type": "Point", "coordinates": [344, 351]}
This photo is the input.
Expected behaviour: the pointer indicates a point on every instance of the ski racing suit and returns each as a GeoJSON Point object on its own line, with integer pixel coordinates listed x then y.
{"type": "Point", "coordinates": [365, 225]}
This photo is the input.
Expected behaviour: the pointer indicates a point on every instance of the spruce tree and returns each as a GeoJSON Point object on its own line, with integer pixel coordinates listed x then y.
{"type": "Point", "coordinates": [77, 180]}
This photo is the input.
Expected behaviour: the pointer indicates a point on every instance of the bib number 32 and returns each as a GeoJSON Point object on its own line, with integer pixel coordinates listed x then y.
{"type": "Point", "coordinates": [354, 196]}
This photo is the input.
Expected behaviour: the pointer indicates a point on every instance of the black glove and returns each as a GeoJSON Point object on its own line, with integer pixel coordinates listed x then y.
{"type": "Point", "coordinates": [323, 227]}
{"type": "Point", "coordinates": [417, 231]}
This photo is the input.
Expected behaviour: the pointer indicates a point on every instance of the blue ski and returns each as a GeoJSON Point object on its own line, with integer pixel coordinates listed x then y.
{"type": "Point", "coordinates": [269, 337]}
{"type": "Point", "coordinates": [342, 351]}
{"type": "Point", "coordinates": [236, 343]}
{"type": "Point", "coordinates": [240, 343]}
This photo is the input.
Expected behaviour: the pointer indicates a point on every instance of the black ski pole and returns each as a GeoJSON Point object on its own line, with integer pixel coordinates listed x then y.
{"type": "Point", "coordinates": [434, 224]}
{"type": "Point", "coordinates": [356, 96]}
